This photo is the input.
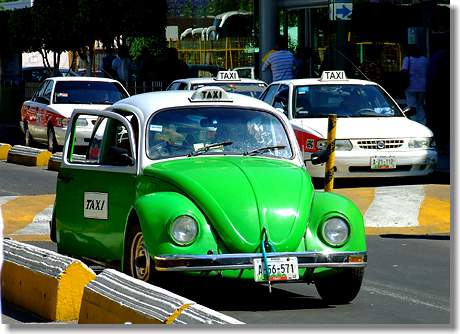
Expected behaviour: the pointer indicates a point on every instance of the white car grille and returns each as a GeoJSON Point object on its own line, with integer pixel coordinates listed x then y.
{"type": "Point", "coordinates": [380, 144]}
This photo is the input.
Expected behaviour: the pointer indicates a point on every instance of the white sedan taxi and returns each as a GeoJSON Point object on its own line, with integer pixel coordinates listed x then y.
{"type": "Point", "coordinates": [374, 138]}
{"type": "Point", "coordinates": [228, 80]}
{"type": "Point", "coordinates": [45, 116]}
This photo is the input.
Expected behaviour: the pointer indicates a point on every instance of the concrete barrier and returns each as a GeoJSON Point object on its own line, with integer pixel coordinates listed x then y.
{"type": "Point", "coordinates": [55, 161]}
{"type": "Point", "coordinates": [43, 282]}
{"type": "Point", "coordinates": [115, 298]}
{"type": "Point", "coordinates": [4, 149]}
{"type": "Point", "coordinates": [28, 156]}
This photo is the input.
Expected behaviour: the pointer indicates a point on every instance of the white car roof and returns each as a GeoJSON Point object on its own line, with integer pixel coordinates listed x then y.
{"type": "Point", "coordinates": [318, 81]}
{"type": "Point", "coordinates": [213, 80]}
{"type": "Point", "coordinates": [148, 103]}
{"type": "Point", "coordinates": [82, 79]}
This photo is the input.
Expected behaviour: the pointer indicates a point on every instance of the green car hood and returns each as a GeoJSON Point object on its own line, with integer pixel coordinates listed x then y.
{"type": "Point", "coordinates": [242, 196]}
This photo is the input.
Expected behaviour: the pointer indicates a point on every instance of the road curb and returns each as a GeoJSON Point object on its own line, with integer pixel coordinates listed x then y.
{"type": "Point", "coordinates": [116, 298]}
{"type": "Point", "coordinates": [28, 156]}
{"type": "Point", "coordinates": [60, 288]}
{"type": "Point", "coordinates": [55, 161]}
{"type": "Point", "coordinates": [43, 282]}
{"type": "Point", "coordinates": [4, 149]}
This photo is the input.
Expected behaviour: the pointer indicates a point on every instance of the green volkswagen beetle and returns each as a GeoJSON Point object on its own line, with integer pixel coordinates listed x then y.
{"type": "Point", "coordinates": [204, 183]}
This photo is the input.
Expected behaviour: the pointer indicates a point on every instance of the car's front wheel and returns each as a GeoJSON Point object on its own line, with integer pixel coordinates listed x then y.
{"type": "Point", "coordinates": [341, 287]}
{"type": "Point", "coordinates": [137, 261]}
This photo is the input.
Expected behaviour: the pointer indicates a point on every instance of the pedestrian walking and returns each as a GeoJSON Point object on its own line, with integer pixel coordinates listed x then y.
{"type": "Point", "coordinates": [416, 64]}
{"type": "Point", "coordinates": [281, 62]}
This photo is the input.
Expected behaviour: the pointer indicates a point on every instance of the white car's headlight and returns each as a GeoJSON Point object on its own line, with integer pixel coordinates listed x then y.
{"type": "Point", "coordinates": [335, 231]}
{"type": "Point", "coordinates": [422, 143]}
{"type": "Point", "coordinates": [184, 230]}
{"type": "Point", "coordinates": [340, 145]}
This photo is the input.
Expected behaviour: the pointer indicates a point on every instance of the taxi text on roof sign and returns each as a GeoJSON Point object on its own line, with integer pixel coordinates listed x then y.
{"type": "Point", "coordinates": [333, 75]}
{"type": "Point", "coordinates": [210, 94]}
{"type": "Point", "coordinates": [227, 75]}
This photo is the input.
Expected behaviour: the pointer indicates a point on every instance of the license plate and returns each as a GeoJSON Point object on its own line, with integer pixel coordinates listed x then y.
{"type": "Point", "coordinates": [383, 162]}
{"type": "Point", "coordinates": [279, 269]}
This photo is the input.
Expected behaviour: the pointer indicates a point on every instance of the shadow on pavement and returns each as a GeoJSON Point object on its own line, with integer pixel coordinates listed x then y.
{"type": "Point", "coordinates": [227, 295]}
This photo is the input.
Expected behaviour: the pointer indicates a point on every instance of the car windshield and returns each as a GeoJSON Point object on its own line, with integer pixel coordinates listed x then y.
{"type": "Point", "coordinates": [216, 130]}
{"type": "Point", "coordinates": [249, 89]}
{"type": "Point", "coordinates": [343, 100]}
{"type": "Point", "coordinates": [88, 92]}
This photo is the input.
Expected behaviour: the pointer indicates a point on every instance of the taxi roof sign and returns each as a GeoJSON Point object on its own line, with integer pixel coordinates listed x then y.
{"type": "Point", "coordinates": [333, 76]}
{"type": "Point", "coordinates": [227, 76]}
{"type": "Point", "coordinates": [210, 94]}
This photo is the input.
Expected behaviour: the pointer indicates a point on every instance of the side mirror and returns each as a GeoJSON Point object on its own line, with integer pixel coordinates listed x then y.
{"type": "Point", "coordinates": [409, 111]}
{"type": "Point", "coordinates": [319, 157]}
{"type": "Point", "coordinates": [280, 99]}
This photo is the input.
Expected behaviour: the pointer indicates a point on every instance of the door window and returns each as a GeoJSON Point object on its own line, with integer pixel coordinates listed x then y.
{"type": "Point", "coordinates": [109, 143]}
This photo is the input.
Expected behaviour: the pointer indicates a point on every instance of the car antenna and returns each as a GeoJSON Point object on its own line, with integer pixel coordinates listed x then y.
{"type": "Point", "coordinates": [348, 59]}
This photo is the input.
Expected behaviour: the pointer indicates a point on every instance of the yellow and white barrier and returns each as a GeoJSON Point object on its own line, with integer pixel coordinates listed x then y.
{"type": "Point", "coordinates": [4, 149]}
{"type": "Point", "coordinates": [28, 156]}
{"type": "Point", "coordinates": [116, 298]}
{"type": "Point", "coordinates": [55, 161]}
{"type": "Point", "coordinates": [43, 282]}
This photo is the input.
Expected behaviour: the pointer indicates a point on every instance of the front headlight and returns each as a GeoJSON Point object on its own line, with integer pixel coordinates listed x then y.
{"type": "Point", "coordinates": [422, 143]}
{"type": "Point", "coordinates": [335, 231]}
{"type": "Point", "coordinates": [340, 145]}
{"type": "Point", "coordinates": [184, 230]}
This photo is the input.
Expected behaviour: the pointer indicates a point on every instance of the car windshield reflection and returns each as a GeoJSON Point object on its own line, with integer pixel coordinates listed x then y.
{"type": "Point", "coordinates": [195, 131]}
{"type": "Point", "coordinates": [317, 101]}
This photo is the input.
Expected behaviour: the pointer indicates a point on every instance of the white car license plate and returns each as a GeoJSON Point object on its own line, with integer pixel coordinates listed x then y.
{"type": "Point", "coordinates": [279, 269]}
{"type": "Point", "coordinates": [383, 162]}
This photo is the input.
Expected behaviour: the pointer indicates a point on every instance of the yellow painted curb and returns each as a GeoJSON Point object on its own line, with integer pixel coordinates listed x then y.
{"type": "Point", "coordinates": [28, 156]}
{"type": "Point", "coordinates": [43, 282]}
{"type": "Point", "coordinates": [4, 149]}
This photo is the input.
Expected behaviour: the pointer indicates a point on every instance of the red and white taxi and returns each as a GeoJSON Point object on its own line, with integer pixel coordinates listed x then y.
{"type": "Point", "coordinates": [44, 117]}
{"type": "Point", "coordinates": [374, 138]}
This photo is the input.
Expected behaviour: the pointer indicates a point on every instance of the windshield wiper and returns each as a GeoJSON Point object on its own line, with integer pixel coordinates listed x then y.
{"type": "Point", "coordinates": [206, 148]}
{"type": "Point", "coordinates": [264, 149]}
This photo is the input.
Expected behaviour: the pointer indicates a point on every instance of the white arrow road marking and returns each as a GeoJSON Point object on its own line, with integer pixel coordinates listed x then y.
{"type": "Point", "coordinates": [40, 224]}
{"type": "Point", "coordinates": [395, 206]}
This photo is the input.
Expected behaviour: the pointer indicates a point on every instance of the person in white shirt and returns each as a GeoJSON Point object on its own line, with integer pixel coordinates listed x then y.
{"type": "Point", "coordinates": [416, 64]}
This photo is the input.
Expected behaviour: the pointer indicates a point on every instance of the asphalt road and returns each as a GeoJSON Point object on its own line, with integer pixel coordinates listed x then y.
{"type": "Point", "coordinates": [16, 180]}
{"type": "Point", "coordinates": [407, 282]}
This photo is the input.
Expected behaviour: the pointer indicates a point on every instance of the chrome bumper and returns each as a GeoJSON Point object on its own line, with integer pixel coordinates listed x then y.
{"type": "Point", "coordinates": [245, 261]}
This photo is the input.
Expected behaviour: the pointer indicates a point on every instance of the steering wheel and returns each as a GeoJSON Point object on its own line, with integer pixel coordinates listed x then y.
{"type": "Point", "coordinates": [160, 150]}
